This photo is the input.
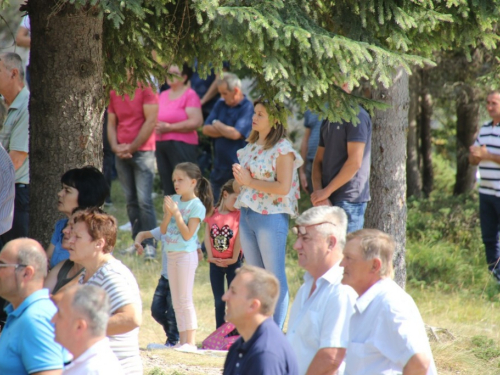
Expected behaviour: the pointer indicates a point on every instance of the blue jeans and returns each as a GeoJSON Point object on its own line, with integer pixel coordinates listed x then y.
{"type": "Point", "coordinates": [263, 240]}
{"type": "Point", "coordinates": [489, 214]}
{"type": "Point", "coordinates": [163, 312]}
{"type": "Point", "coordinates": [217, 276]}
{"type": "Point", "coordinates": [355, 214]}
{"type": "Point", "coordinates": [136, 177]}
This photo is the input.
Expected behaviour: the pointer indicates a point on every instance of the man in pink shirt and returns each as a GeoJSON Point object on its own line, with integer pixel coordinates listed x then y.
{"type": "Point", "coordinates": [131, 123]}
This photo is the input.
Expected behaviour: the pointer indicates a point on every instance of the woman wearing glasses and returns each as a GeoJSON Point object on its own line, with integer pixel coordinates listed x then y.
{"type": "Point", "coordinates": [267, 175]}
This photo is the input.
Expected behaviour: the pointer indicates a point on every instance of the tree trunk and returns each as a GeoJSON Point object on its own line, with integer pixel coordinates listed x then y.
{"type": "Point", "coordinates": [387, 209]}
{"type": "Point", "coordinates": [467, 127]}
{"type": "Point", "coordinates": [66, 102]}
{"type": "Point", "coordinates": [425, 134]}
{"type": "Point", "coordinates": [413, 176]}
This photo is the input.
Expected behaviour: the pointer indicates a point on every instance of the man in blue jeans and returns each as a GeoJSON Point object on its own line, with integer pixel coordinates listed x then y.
{"type": "Point", "coordinates": [486, 153]}
{"type": "Point", "coordinates": [130, 133]}
{"type": "Point", "coordinates": [341, 167]}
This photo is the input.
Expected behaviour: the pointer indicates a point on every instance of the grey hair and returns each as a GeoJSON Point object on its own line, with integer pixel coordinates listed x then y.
{"type": "Point", "coordinates": [93, 303]}
{"type": "Point", "coordinates": [320, 214]}
{"type": "Point", "coordinates": [12, 61]}
{"type": "Point", "coordinates": [30, 255]}
{"type": "Point", "coordinates": [231, 80]}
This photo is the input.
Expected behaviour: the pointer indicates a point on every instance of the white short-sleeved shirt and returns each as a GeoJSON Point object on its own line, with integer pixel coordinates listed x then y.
{"type": "Point", "coordinates": [99, 359]}
{"type": "Point", "coordinates": [262, 166]}
{"type": "Point", "coordinates": [120, 284]}
{"type": "Point", "coordinates": [322, 319]}
{"type": "Point", "coordinates": [386, 330]}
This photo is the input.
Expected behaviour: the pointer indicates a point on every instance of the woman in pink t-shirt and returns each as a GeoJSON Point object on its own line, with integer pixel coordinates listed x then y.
{"type": "Point", "coordinates": [179, 115]}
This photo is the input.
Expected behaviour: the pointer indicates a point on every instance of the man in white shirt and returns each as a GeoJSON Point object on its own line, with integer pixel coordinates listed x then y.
{"type": "Point", "coordinates": [318, 329]}
{"type": "Point", "coordinates": [387, 334]}
{"type": "Point", "coordinates": [80, 325]}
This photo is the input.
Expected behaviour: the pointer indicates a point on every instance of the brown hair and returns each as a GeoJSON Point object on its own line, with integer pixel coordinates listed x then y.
{"type": "Point", "coordinates": [99, 225]}
{"type": "Point", "coordinates": [203, 189]}
{"type": "Point", "coordinates": [376, 244]}
{"type": "Point", "coordinates": [264, 286]}
{"type": "Point", "coordinates": [278, 130]}
{"type": "Point", "coordinates": [228, 187]}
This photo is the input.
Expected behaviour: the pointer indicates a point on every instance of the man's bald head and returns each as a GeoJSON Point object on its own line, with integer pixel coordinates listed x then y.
{"type": "Point", "coordinates": [29, 253]}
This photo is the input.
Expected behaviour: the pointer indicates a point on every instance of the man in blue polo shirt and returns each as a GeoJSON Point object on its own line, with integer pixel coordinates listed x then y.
{"type": "Point", "coordinates": [229, 124]}
{"type": "Point", "coordinates": [262, 348]}
{"type": "Point", "coordinates": [27, 341]}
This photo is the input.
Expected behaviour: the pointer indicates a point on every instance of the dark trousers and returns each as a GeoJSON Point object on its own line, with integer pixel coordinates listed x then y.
{"type": "Point", "coordinates": [163, 312]}
{"type": "Point", "coordinates": [168, 155]}
{"type": "Point", "coordinates": [489, 214]}
{"type": "Point", "coordinates": [20, 223]}
{"type": "Point", "coordinates": [218, 276]}
{"type": "Point", "coordinates": [108, 161]}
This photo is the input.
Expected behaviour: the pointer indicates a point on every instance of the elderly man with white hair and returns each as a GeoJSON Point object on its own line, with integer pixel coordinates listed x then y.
{"type": "Point", "coordinates": [80, 325]}
{"type": "Point", "coordinates": [387, 334]}
{"type": "Point", "coordinates": [229, 124]}
{"type": "Point", "coordinates": [318, 329]}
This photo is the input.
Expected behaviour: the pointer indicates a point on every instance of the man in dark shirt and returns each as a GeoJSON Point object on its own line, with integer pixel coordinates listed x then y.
{"type": "Point", "coordinates": [229, 124]}
{"type": "Point", "coordinates": [341, 167]}
{"type": "Point", "coordinates": [262, 348]}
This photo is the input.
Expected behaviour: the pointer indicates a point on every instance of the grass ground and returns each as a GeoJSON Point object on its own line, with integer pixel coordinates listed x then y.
{"type": "Point", "coordinates": [467, 311]}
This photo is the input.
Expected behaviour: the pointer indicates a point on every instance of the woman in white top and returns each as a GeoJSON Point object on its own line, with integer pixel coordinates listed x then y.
{"type": "Point", "coordinates": [267, 175]}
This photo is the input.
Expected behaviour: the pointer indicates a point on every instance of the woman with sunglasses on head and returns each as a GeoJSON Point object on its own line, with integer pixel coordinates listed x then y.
{"type": "Point", "coordinates": [267, 175]}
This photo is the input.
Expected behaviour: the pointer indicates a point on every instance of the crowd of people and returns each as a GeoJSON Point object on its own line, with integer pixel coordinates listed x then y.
{"type": "Point", "coordinates": [82, 306]}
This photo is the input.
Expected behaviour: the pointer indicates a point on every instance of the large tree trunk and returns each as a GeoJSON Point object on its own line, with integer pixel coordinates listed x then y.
{"type": "Point", "coordinates": [467, 126]}
{"type": "Point", "coordinates": [66, 102]}
{"type": "Point", "coordinates": [426, 108]}
{"type": "Point", "coordinates": [413, 176]}
{"type": "Point", "coordinates": [387, 209]}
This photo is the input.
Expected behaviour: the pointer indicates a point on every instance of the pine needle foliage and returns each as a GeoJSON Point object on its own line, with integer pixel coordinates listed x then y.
{"type": "Point", "coordinates": [299, 50]}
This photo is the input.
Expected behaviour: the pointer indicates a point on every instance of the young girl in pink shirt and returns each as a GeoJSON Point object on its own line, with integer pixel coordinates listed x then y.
{"type": "Point", "coordinates": [222, 240]}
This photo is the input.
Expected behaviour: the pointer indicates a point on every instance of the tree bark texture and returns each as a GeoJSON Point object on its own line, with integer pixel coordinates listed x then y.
{"type": "Point", "coordinates": [468, 105]}
{"type": "Point", "coordinates": [387, 209]}
{"type": "Point", "coordinates": [66, 102]}
{"type": "Point", "coordinates": [425, 117]}
{"type": "Point", "coordinates": [413, 176]}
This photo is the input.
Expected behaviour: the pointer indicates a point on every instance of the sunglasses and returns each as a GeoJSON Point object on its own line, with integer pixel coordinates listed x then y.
{"type": "Point", "coordinates": [301, 229]}
{"type": "Point", "coordinates": [16, 266]}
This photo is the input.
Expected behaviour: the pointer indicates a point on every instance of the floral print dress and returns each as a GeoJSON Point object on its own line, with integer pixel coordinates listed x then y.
{"type": "Point", "coordinates": [262, 166]}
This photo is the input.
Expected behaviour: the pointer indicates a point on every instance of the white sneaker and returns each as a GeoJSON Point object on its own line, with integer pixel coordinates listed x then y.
{"type": "Point", "coordinates": [187, 348]}
{"type": "Point", "coordinates": [126, 227]}
{"type": "Point", "coordinates": [128, 251]}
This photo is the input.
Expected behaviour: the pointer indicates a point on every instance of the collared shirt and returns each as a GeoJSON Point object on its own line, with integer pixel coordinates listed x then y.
{"type": "Point", "coordinates": [27, 342]}
{"type": "Point", "coordinates": [386, 330]}
{"type": "Point", "coordinates": [266, 353]}
{"type": "Point", "coordinates": [99, 359]}
{"type": "Point", "coordinates": [7, 191]}
{"type": "Point", "coordinates": [239, 117]}
{"type": "Point", "coordinates": [489, 171]}
{"type": "Point", "coordinates": [322, 319]}
{"type": "Point", "coordinates": [14, 136]}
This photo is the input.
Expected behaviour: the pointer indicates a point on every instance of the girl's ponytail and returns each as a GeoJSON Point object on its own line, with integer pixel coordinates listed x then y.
{"type": "Point", "coordinates": [204, 192]}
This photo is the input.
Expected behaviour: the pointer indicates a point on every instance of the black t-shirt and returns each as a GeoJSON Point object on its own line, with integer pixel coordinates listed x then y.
{"type": "Point", "coordinates": [334, 138]}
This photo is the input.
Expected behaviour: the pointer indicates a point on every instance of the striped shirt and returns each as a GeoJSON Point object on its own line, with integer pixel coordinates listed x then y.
{"type": "Point", "coordinates": [489, 171]}
{"type": "Point", "coordinates": [120, 284]}
{"type": "Point", "coordinates": [7, 191]}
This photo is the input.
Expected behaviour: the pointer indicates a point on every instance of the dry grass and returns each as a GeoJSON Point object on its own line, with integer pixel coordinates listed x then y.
{"type": "Point", "coordinates": [464, 315]}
